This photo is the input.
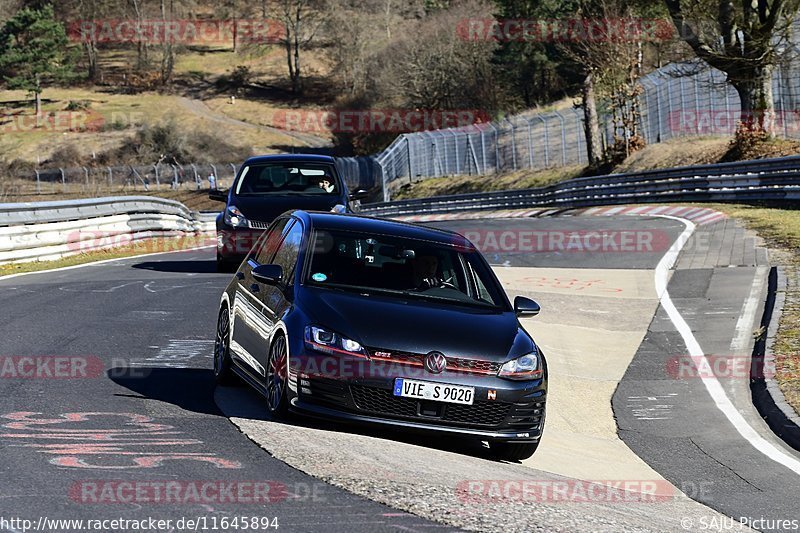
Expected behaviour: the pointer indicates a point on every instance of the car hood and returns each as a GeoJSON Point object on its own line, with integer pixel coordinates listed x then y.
{"type": "Point", "coordinates": [268, 207]}
{"type": "Point", "coordinates": [418, 326]}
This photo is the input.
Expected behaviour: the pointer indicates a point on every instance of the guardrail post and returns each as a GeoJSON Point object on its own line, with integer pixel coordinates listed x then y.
{"type": "Point", "coordinates": [38, 183]}
{"type": "Point", "coordinates": [86, 172]}
{"type": "Point", "coordinates": [110, 177]}
{"type": "Point", "coordinates": [196, 176]}
{"type": "Point", "coordinates": [233, 167]}
{"type": "Point", "coordinates": [157, 176]}
{"type": "Point", "coordinates": [216, 176]}
{"type": "Point", "coordinates": [578, 135]}
{"type": "Point", "coordinates": [63, 179]}
{"type": "Point", "coordinates": [175, 181]}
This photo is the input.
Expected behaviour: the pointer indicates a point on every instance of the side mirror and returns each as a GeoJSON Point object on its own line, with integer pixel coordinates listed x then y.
{"type": "Point", "coordinates": [218, 196]}
{"type": "Point", "coordinates": [360, 194]}
{"type": "Point", "coordinates": [268, 274]}
{"type": "Point", "coordinates": [525, 307]}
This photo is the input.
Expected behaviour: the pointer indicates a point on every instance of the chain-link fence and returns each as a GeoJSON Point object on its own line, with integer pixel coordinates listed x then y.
{"type": "Point", "coordinates": [359, 173]}
{"type": "Point", "coordinates": [102, 180]}
{"type": "Point", "coordinates": [677, 100]}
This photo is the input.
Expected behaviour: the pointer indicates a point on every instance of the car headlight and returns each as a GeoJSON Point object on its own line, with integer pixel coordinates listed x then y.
{"type": "Point", "coordinates": [326, 341]}
{"type": "Point", "coordinates": [234, 217]}
{"type": "Point", "coordinates": [522, 368]}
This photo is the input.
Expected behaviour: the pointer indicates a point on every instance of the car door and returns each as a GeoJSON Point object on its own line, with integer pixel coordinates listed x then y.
{"type": "Point", "coordinates": [275, 299]}
{"type": "Point", "coordinates": [249, 330]}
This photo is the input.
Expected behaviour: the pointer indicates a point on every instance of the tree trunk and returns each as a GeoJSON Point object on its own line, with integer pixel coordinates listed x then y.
{"type": "Point", "coordinates": [296, 87]}
{"type": "Point", "coordinates": [93, 70]}
{"type": "Point", "coordinates": [755, 94]}
{"type": "Point", "coordinates": [591, 124]}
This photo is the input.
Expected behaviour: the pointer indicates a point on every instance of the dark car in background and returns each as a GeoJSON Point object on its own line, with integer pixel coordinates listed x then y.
{"type": "Point", "coordinates": [372, 321]}
{"type": "Point", "coordinates": [267, 186]}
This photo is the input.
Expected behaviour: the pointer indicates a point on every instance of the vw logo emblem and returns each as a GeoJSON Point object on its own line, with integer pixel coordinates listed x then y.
{"type": "Point", "coordinates": [435, 362]}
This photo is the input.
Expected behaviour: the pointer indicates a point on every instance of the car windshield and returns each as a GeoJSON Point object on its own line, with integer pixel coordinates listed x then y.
{"type": "Point", "coordinates": [402, 267]}
{"type": "Point", "coordinates": [287, 178]}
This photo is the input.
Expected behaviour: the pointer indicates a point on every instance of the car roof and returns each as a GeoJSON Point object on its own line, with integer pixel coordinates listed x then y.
{"type": "Point", "coordinates": [381, 226]}
{"type": "Point", "coordinates": [282, 158]}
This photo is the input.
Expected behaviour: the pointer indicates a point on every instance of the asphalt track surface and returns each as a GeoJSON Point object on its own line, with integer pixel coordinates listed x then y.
{"type": "Point", "coordinates": [147, 412]}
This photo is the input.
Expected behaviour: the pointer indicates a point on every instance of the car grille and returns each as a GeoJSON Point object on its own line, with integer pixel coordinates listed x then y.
{"type": "Point", "coordinates": [384, 402]}
{"type": "Point", "coordinates": [257, 224]}
{"type": "Point", "coordinates": [456, 364]}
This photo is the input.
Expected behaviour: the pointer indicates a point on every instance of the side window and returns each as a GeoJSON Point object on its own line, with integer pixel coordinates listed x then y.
{"type": "Point", "coordinates": [271, 241]}
{"type": "Point", "coordinates": [289, 250]}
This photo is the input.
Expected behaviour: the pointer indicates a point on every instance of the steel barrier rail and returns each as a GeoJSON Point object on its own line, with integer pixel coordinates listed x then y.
{"type": "Point", "coordinates": [750, 181]}
{"type": "Point", "coordinates": [50, 230]}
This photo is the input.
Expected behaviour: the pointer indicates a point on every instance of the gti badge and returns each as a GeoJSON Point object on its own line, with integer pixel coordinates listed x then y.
{"type": "Point", "coordinates": [435, 362]}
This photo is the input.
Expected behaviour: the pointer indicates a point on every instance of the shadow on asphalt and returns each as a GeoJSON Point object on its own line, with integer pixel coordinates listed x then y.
{"type": "Point", "coordinates": [247, 403]}
{"type": "Point", "coordinates": [191, 389]}
{"type": "Point", "coordinates": [184, 267]}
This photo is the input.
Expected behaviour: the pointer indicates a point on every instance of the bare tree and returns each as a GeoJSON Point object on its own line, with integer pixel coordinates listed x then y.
{"type": "Point", "coordinates": [610, 58]}
{"type": "Point", "coordinates": [141, 45]}
{"type": "Point", "coordinates": [302, 20]}
{"type": "Point", "coordinates": [742, 40]}
{"type": "Point", "coordinates": [167, 44]}
{"type": "Point", "coordinates": [429, 68]}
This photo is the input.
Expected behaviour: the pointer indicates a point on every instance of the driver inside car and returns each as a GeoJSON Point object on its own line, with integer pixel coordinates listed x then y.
{"type": "Point", "coordinates": [425, 272]}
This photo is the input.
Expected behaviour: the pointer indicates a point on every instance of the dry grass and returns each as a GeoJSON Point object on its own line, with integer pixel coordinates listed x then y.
{"type": "Point", "coordinates": [142, 247]}
{"type": "Point", "coordinates": [522, 179]}
{"type": "Point", "coordinates": [781, 230]}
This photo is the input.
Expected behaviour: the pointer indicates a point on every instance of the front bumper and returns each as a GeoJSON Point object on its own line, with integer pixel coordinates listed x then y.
{"type": "Point", "coordinates": [503, 410]}
{"type": "Point", "coordinates": [235, 244]}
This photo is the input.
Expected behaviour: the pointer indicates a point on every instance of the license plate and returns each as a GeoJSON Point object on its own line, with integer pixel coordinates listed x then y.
{"type": "Point", "coordinates": [437, 392]}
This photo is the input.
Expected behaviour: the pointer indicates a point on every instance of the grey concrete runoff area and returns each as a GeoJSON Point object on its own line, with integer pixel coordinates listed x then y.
{"type": "Point", "coordinates": [624, 407]}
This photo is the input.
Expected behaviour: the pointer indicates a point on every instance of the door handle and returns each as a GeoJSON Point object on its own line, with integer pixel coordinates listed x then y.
{"type": "Point", "coordinates": [240, 275]}
{"type": "Point", "coordinates": [254, 287]}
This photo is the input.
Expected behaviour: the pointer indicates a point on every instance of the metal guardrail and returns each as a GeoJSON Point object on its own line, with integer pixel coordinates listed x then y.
{"type": "Point", "coordinates": [63, 211]}
{"type": "Point", "coordinates": [49, 230]}
{"type": "Point", "coordinates": [749, 181]}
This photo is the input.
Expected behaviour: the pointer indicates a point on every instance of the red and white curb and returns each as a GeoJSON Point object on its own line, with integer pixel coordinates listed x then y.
{"type": "Point", "coordinates": [700, 216]}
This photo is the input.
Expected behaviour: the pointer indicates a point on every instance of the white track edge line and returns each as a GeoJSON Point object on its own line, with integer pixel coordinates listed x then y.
{"type": "Point", "coordinates": [711, 383]}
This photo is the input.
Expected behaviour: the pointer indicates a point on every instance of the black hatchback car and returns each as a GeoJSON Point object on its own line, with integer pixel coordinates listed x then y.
{"type": "Point", "coordinates": [366, 320]}
{"type": "Point", "coordinates": [267, 186]}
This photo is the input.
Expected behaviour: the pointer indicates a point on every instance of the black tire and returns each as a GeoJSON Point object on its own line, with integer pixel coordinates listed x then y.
{"type": "Point", "coordinates": [513, 451]}
{"type": "Point", "coordinates": [225, 266]}
{"type": "Point", "coordinates": [223, 373]}
{"type": "Point", "coordinates": [277, 379]}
